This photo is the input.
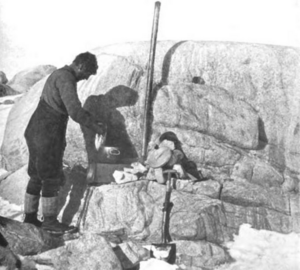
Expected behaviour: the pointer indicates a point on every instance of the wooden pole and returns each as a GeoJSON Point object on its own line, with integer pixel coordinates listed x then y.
{"type": "Point", "coordinates": [148, 96]}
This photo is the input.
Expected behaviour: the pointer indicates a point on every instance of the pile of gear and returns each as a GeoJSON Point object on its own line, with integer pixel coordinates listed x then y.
{"type": "Point", "coordinates": [167, 154]}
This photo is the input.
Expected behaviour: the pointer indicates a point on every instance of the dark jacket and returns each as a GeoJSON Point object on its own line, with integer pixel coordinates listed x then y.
{"type": "Point", "coordinates": [60, 92]}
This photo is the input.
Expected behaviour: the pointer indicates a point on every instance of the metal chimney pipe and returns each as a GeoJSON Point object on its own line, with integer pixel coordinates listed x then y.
{"type": "Point", "coordinates": [148, 96]}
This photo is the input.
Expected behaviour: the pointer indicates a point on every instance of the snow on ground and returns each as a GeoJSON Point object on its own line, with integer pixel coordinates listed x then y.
{"type": "Point", "coordinates": [10, 210]}
{"type": "Point", "coordinates": [4, 111]}
{"type": "Point", "coordinates": [155, 264]}
{"type": "Point", "coordinates": [264, 250]}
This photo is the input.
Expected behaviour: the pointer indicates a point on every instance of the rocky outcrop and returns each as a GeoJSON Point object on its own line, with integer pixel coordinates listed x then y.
{"type": "Point", "coordinates": [197, 214]}
{"type": "Point", "coordinates": [6, 90]}
{"type": "Point", "coordinates": [26, 239]}
{"type": "Point", "coordinates": [249, 105]}
{"type": "Point", "coordinates": [25, 79]}
{"type": "Point", "coordinates": [89, 252]}
{"type": "Point", "coordinates": [233, 106]}
{"type": "Point", "coordinates": [8, 259]}
{"type": "Point", "coordinates": [208, 110]}
{"type": "Point", "coordinates": [193, 216]}
{"type": "Point", "coordinates": [204, 216]}
{"type": "Point", "coordinates": [3, 78]}
{"type": "Point", "coordinates": [211, 255]}
{"type": "Point", "coordinates": [14, 145]}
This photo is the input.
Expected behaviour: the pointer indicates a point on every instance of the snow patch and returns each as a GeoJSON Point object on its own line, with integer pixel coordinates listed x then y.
{"type": "Point", "coordinates": [10, 210]}
{"type": "Point", "coordinates": [264, 250]}
{"type": "Point", "coordinates": [154, 264]}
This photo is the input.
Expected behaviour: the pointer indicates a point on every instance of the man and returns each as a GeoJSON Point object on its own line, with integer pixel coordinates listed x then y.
{"type": "Point", "coordinates": [45, 137]}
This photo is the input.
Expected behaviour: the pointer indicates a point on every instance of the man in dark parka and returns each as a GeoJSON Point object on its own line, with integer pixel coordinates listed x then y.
{"type": "Point", "coordinates": [45, 137]}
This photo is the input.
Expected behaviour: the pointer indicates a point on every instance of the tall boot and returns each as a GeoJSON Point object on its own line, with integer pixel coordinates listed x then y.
{"type": "Point", "coordinates": [31, 206]}
{"type": "Point", "coordinates": [51, 224]}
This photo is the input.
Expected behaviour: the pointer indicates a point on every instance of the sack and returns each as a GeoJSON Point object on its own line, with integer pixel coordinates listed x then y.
{"type": "Point", "coordinates": [160, 159]}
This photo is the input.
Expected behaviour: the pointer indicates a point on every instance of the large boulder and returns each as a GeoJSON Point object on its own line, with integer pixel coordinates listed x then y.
{"type": "Point", "coordinates": [14, 144]}
{"type": "Point", "coordinates": [200, 254]}
{"type": "Point", "coordinates": [6, 90]}
{"type": "Point", "coordinates": [8, 259]}
{"type": "Point", "coordinates": [3, 78]}
{"type": "Point", "coordinates": [201, 212]}
{"type": "Point", "coordinates": [207, 110]}
{"type": "Point", "coordinates": [136, 208]}
{"type": "Point", "coordinates": [247, 92]}
{"type": "Point", "coordinates": [204, 216]}
{"type": "Point", "coordinates": [90, 251]}
{"type": "Point", "coordinates": [258, 172]}
{"type": "Point", "coordinates": [26, 239]}
{"type": "Point", "coordinates": [25, 79]}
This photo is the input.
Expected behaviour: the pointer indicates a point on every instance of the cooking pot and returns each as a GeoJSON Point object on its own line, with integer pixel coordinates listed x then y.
{"type": "Point", "coordinates": [109, 154]}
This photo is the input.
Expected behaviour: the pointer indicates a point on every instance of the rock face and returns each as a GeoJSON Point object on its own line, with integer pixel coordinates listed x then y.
{"type": "Point", "coordinates": [89, 252]}
{"type": "Point", "coordinates": [208, 110]}
{"type": "Point", "coordinates": [25, 79]}
{"type": "Point", "coordinates": [18, 118]}
{"type": "Point", "coordinates": [234, 107]}
{"type": "Point", "coordinates": [26, 239]}
{"type": "Point", "coordinates": [6, 90]}
{"type": "Point", "coordinates": [211, 255]}
{"type": "Point", "coordinates": [204, 215]}
{"type": "Point", "coordinates": [8, 259]}
{"type": "Point", "coordinates": [196, 214]}
{"type": "Point", "coordinates": [3, 78]}
{"type": "Point", "coordinates": [245, 106]}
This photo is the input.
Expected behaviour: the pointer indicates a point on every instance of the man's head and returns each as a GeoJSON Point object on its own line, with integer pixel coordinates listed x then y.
{"type": "Point", "coordinates": [85, 65]}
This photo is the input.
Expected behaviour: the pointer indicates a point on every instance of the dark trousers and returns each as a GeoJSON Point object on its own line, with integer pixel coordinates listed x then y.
{"type": "Point", "coordinates": [45, 137]}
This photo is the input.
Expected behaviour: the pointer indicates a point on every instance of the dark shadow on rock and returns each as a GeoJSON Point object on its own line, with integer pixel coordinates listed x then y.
{"type": "Point", "coordinates": [104, 108]}
{"type": "Point", "coordinates": [75, 187]}
{"type": "Point", "coordinates": [164, 81]}
{"type": "Point", "coordinates": [125, 261]}
{"type": "Point", "coordinates": [262, 136]}
{"type": "Point", "coordinates": [198, 80]}
{"type": "Point", "coordinates": [167, 63]}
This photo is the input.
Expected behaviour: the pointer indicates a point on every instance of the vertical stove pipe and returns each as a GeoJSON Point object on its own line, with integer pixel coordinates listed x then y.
{"type": "Point", "coordinates": [148, 96]}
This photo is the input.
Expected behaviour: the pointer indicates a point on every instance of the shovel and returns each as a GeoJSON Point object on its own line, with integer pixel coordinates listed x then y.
{"type": "Point", "coordinates": [165, 250]}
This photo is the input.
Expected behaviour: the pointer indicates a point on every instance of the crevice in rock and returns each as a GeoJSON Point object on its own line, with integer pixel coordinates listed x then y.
{"type": "Point", "coordinates": [167, 63]}
{"type": "Point", "coordinates": [135, 78]}
{"type": "Point", "coordinates": [220, 191]}
{"type": "Point", "coordinates": [262, 136]}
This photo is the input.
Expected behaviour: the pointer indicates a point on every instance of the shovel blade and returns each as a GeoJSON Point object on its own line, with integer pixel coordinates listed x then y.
{"type": "Point", "coordinates": [164, 252]}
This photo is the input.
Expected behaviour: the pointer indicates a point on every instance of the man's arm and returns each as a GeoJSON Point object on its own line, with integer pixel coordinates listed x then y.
{"type": "Point", "coordinates": [68, 92]}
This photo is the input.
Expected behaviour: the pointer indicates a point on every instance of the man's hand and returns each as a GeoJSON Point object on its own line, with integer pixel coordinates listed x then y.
{"type": "Point", "coordinates": [100, 128]}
